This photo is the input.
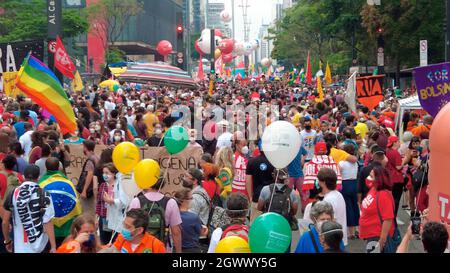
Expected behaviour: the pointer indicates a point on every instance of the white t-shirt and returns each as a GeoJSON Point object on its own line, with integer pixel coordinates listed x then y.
{"type": "Point", "coordinates": [109, 106]}
{"type": "Point", "coordinates": [215, 239]}
{"type": "Point", "coordinates": [308, 141]}
{"type": "Point", "coordinates": [130, 119]}
{"type": "Point", "coordinates": [29, 234]}
{"type": "Point", "coordinates": [349, 171]}
{"type": "Point", "coordinates": [25, 141]}
{"type": "Point", "coordinates": [336, 199]}
{"type": "Point", "coordinates": [224, 140]}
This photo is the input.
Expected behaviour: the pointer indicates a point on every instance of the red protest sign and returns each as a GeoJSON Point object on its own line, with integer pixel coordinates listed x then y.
{"type": "Point", "coordinates": [369, 91]}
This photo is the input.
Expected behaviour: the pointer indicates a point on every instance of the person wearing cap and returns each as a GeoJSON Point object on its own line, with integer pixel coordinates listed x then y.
{"type": "Point", "coordinates": [394, 168]}
{"type": "Point", "coordinates": [150, 119]}
{"type": "Point", "coordinates": [130, 116]}
{"type": "Point", "coordinates": [425, 128]}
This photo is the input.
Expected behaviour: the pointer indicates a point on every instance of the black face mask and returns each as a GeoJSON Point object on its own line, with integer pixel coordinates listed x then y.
{"type": "Point", "coordinates": [308, 127]}
{"type": "Point", "coordinates": [187, 184]}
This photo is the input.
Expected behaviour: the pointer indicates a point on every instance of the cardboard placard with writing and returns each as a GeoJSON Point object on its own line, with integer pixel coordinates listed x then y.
{"type": "Point", "coordinates": [178, 164]}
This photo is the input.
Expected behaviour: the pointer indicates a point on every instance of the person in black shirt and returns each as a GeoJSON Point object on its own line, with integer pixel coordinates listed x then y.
{"type": "Point", "coordinates": [156, 140]}
{"type": "Point", "coordinates": [259, 174]}
{"type": "Point", "coordinates": [378, 158]}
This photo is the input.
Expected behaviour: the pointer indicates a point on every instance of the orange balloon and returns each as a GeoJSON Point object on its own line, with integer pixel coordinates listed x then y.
{"type": "Point", "coordinates": [218, 53]}
{"type": "Point", "coordinates": [439, 172]}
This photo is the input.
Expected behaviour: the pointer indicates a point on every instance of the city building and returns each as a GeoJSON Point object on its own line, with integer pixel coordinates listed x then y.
{"type": "Point", "coordinates": [140, 36]}
{"type": "Point", "coordinates": [214, 8]}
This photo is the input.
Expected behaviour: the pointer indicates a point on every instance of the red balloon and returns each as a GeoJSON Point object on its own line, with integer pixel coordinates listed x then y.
{"type": "Point", "coordinates": [164, 48]}
{"type": "Point", "coordinates": [218, 33]}
{"type": "Point", "coordinates": [198, 48]}
{"type": "Point", "coordinates": [226, 46]}
{"type": "Point", "coordinates": [227, 58]}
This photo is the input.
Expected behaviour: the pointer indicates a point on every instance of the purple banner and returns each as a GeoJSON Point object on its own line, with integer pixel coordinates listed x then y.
{"type": "Point", "coordinates": [433, 86]}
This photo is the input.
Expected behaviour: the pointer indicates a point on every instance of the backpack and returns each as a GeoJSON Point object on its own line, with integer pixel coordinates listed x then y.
{"type": "Point", "coordinates": [156, 211]}
{"type": "Point", "coordinates": [12, 182]}
{"type": "Point", "coordinates": [235, 230]}
{"type": "Point", "coordinates": [82, 180]}
{"type": "Point", "coordinates": [281, 202]}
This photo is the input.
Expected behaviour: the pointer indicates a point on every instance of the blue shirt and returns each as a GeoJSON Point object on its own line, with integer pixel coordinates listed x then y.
{"type": "Point", "coordinates": [295, 169]}
{"type": "Point", "coordinates": [305, 244]}
{"type": "Point", "coordinates": [32, 115]}
{"type": "Point", "coordinates": [190, 229]}
{"type": "Point", "coordinates": [132, 130]}
{"type": "Point", "coordinates": [20, 128]}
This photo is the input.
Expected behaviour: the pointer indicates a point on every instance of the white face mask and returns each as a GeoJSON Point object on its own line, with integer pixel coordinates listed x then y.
{"type": "Point", "coordinates": [117, 138]}
{"type": "Point", "coordinates": [245, 150]}
{"type": "Point", "coordinates": [92, 131]}
{"type": "Point", "coordinates": [192, 139]}
{"type": "Point", "coordinates": [98, 128]}
{"type": "Point", "coordinates": [158, 131]}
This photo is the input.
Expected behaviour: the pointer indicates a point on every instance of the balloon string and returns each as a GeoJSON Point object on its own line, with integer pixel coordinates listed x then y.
{"type": "Point", "coordinates": [271, 198]}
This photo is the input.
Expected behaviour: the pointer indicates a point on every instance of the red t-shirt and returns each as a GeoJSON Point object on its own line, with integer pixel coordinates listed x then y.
{"type": "Point", "coordinates": [369, 222]}
{"type": "Point", "coordinates": [4, 181]}
{"type": "Point", "coordinates": [210, 186]}
{"type": "Point", "coordinates": [394, 160]}
{"type": "Point", "coordinates": [240, 168]}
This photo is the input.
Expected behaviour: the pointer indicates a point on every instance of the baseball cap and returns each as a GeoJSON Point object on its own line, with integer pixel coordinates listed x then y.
{"type": "Point", "coordinates": [392, 140]}
{"type": "Point", "coordinates": [321, 147]}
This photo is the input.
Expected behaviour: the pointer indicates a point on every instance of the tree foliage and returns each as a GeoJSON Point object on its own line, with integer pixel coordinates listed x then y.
{"type": "Point", "coordinates": [28, 21]}
{"type": "Point", "coordinates": [108, 18]}
{"type": "Point", "coordinates": [326, 29]}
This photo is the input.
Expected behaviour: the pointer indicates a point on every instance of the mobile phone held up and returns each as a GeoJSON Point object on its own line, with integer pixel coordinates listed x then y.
{"type": "Point", "coordinates": [415, 225]}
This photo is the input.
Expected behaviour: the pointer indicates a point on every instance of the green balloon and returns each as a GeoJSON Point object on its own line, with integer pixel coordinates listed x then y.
{"type": "Point", "coordinates": [270, 233]}
{"type": "Point", "coordinates": [116, 87]}
{"type": "Point", "coordinates": [176, 139]}
{"type": "Point", "coordinates": [139, 142]}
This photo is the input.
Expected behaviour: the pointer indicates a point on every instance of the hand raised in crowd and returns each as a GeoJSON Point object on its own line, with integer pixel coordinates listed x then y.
{"type": "Point", "coordinates": [108, 198]}
{"type": "Point", "coordinates": [82, 237]}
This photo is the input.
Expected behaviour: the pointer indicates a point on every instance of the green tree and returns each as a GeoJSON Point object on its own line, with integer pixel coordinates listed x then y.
{"type": "Point", "coordinates": [108, 19]}
{"type": "Point", "coordinates": [28, 21]}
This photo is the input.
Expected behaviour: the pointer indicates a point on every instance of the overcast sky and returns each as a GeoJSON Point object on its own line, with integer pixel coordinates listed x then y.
{"type": "Point", "coordinates": [259, 12]}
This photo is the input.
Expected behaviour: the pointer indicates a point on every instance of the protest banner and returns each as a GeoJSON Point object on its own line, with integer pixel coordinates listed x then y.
{"type": "Point", "coordinates": [369, 91]}
{"type": "Point", "coordinates": [13, 54]}
{"type": "Point", "coordinates": [178, 164]}
{"type": "Point", "coordinates": [433, 86]}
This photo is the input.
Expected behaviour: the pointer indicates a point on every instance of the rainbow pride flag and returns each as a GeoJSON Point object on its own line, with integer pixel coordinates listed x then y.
{"type": "Point", "coordinates": [40, 84]}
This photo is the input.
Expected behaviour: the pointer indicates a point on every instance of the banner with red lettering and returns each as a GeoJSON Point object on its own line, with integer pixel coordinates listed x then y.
{"type": "Point", "coordinates": [313, 167]}
{"type": "Point", "coordinates": [369, 91]}
{"type": "Point", "coordinates": [62, 60]}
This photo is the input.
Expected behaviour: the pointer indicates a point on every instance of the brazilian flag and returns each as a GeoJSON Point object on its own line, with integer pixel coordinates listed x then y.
{"type": "Point", "coordinates": [64, 197]}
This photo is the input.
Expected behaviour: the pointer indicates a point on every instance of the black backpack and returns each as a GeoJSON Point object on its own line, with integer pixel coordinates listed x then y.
{"type": "Point", "coordinates": [281, 202]}
{"type": "Point", "coordinates": [156, 211]}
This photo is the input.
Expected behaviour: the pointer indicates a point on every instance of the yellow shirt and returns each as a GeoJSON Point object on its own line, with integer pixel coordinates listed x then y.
{"type": "Point", "coordinates": [296, 119]}
{"type": "Point", "coordinates": [150, 119]}
{"type": "Point", "coordinates": [361, 129]}
{"type": "Point", "coordinates": [339, 155]}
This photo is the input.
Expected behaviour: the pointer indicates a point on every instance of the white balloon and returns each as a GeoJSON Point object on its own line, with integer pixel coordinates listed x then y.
{"type": "Point", "coordinates": [128, 185]}
{"type": "Point", "coordinates": [266, 62]}
{"type": "Point", "coordinates": [248, 49]}
{"type": "Point", "coordinates": [239, 48]}
{"type": "Point", "coordinates": [204, 43]}
{"type": "Point", "coordinates": [255, 44]}
{"type": "Point", "coordinates": [281, 143]}
{"type": "Point", "coordinates": [225, 16]}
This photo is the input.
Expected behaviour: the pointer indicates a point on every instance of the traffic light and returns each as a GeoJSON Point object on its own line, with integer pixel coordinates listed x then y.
{"type": "Point", "coordinates": [180, 47]}
{"type": "Point", "coordinates": [180, 31]}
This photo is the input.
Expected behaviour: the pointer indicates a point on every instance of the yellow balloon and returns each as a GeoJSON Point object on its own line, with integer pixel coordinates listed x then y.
{"type": "Point", "coordinates": [126, 157]}
{"type": "Point", "coordinates": [218, 53]}
{"type": "Point", "coordinates": [233, 244]}
{"type": "Point", "coordinates": [147, 173]}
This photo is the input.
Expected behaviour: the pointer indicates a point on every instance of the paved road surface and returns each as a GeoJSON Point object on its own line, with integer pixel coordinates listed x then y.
{"type": "Point", "coordinates": [358, 246]}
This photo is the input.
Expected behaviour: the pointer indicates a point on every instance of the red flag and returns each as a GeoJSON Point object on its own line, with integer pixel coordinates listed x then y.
{"type": "Point", "coordinates": [62, 60]}
{"type": "Point", "coordinates": [308, 71]}
{"type": "Point", "coordinates": [200, 74]}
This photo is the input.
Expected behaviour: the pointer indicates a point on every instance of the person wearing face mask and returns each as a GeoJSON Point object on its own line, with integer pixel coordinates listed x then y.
{"type": "Point", "coordinates": [156, 140]}
{"type": "Point", "coordinates": [309, 136]}
{"type": "Point", "coordinates": [193, 140]}
{"type": "Point", "coordinates": [117, 137]}
{"type": "Point", "coordinates": [82, 238]}
{"type": "Point", "coordinates": [241, 151]}
{"type": "Point", "coordinates": [309, 242]}
{"type": "Point", "coordinates": [135, 238]}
